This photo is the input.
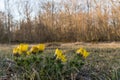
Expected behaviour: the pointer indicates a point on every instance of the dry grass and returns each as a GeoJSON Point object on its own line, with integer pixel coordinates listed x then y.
{"type": "Point", "coordinates": [70, 45]}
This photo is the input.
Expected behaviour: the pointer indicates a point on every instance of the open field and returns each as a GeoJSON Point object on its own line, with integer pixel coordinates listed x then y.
{"type": "Point", "coordinates": [102, 64]}
{"type": "Point", "coordinates": [70, 29]}
{"type": "Point", "coordinates": [73, 45]}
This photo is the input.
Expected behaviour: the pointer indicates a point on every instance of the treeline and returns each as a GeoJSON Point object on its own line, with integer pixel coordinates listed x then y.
{"type": "Point", "coordinates": [61, 21]}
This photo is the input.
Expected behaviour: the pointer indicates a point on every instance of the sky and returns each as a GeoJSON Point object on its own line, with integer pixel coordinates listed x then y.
{"type": "Point", "coordinates": [1, 5]}
{"type": "Point", "coordinates": [15, 10]}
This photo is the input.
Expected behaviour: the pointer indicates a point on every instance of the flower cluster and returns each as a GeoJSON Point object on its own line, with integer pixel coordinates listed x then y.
{"type": "Point", "coordinates": [37, 48]}
{"type": "Point", "coordinates": [60, 56]}
{"type": "Point", "coordinates": [24, 49]}
{"type": "Point", "coordinates": [82, 52]}
{"type": "Point", "coordinates": [55, 65]}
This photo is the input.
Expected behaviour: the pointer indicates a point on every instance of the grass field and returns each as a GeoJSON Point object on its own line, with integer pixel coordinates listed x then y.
{"type": "Point", "coordinates": [102, 64]}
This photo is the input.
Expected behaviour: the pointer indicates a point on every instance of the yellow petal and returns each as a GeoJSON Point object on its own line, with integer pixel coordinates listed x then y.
{"type": "Point", "coordinates": [63, 58]}
{"type": "Point", "coordinates": [58, 52]}
{"type": "Point", "coordinates": [28, 52]}
{"type": "Point", "coordinates": [41, 47]}
{"type": "Point", "coordinates": [23, 47]}
{"type": "Point", "coordinates": [85, 54]}
{"type": "Point", "coordinates": [34, 49]}
{"type": "Point", "coordinates": [15, 51]}
{"type": "Point", "coordinates": [80, 51]}
{"type": "Point", "coordinates": [60, 55]}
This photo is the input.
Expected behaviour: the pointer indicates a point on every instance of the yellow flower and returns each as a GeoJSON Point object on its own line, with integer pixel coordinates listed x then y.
{"type": "Point", "coordinates": [41, 47]}
{"type": "Point", "coordinates": [58, 52]}
{"type": "Point", "coordinates": [63, 58]}
{"type": "Point", "coordinates": [28, 53]}
{"type": "Point", "coordinates": [85, 54]}
{"type": "Point", "coordinates": [60, 56]}
{"type": "Point", "coordinates": [34, 49]}
{"type": "Point", "coordinates": [23, 47]}
{"type": "Point", "coordinates": [20, 52]}
{"type": "Point", "coordinates": [82, 52]}
{"type": "Point", "coordinates": [15, 51]}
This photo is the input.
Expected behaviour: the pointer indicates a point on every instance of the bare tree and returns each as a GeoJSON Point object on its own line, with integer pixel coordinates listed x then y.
{"type": "Point", "coordinates": [8, 19]}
